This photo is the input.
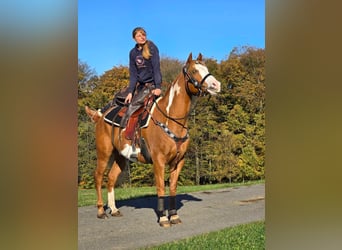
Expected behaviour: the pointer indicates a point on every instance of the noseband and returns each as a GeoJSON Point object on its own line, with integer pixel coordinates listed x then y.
{"type": "Point", "coordinates": [195, 83]}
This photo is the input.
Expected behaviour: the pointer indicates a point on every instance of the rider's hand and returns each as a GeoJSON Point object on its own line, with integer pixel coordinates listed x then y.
{"type": "Point", "coordinates": [128, 98]}
{"type": "Point", "coordinates": [156, 92]}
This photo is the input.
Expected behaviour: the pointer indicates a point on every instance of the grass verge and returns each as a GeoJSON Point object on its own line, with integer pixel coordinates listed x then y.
{"type": "Point", "coordinates": [245, 236]}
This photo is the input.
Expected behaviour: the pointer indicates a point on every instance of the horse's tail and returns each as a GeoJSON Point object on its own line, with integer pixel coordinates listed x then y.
{"type": "Point", "coordinates": [93, 114]}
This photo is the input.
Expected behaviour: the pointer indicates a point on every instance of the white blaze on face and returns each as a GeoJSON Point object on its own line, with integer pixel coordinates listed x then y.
{"type": "Point", "coordinates": [111, 201]}
{"type": "Point", "coordinates": [203, 70]}
{"type": "Point", "coordinates": [214, 86]}
{"type": "Point", "coordinates": [128, 151]}
{"type": "Point", "coordinates": [175, 89]}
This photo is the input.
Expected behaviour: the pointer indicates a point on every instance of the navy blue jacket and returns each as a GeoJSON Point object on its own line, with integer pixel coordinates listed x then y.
{"type": "Point", "coordinates": [143, 70]}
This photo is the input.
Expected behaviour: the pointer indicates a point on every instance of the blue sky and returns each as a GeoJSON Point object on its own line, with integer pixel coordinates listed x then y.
{"type": "Point", "coordinates": [177, 27]}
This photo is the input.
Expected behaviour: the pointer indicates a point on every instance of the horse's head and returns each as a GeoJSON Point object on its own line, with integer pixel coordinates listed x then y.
{"type": "Point", "coordinates": [199, 80]}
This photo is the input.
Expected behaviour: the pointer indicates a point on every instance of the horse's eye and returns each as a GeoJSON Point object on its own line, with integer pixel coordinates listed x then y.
{"type": "Point", "coordinates": [194, 71]}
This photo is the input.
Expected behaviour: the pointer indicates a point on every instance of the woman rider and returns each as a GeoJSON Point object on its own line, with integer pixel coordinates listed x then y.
{"type": "Point", "coordinates": [145, 74]}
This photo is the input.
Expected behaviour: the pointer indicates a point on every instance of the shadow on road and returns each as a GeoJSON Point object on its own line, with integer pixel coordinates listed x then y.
{"type": "Point", "coordinates": [150, 202]}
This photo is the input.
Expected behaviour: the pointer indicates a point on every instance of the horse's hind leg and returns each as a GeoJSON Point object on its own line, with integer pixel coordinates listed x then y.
{"type": "Point", "coordinates": [99, 172]}
{"type": "Point", "coordinates": [112, 178]}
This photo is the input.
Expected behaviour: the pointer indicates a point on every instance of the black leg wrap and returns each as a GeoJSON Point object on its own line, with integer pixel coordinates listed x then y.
{"type": "Point", "coordinates": [160, 209]}
{"type": "Point", "coordinates": [172, 212]}
{"type": "Point", "coordinates": [172, 205]}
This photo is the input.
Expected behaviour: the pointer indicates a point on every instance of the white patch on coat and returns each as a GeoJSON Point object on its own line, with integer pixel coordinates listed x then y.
{"type": "Point", "coordinates": [175, 89]}
{"type": "Point", "coordinates": [128, 151]}
{"type": "Point", "coordinates": [111, 201]}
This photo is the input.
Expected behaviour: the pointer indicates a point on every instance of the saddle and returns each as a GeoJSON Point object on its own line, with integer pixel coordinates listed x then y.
{"type": "Point", "coordinates": [138, 119]}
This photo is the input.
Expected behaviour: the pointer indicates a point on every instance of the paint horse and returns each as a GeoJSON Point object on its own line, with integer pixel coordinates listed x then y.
{"type": "Point", "coordinates": [166, 138]}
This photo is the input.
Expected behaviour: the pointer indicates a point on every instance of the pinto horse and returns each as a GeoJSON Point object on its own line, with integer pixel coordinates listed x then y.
{"type": "Point", "coordinates": [166, 137]}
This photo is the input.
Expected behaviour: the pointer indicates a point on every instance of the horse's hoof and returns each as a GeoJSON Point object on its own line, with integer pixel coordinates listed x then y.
{"type": "Point", "coordinates": [117, 214]}
{"type": "Point", "coordinates": [102, 216]}
{"type": "Point", "coordinates": [174, 219]}
{"type": "Point", "coordinates": [164, 222]}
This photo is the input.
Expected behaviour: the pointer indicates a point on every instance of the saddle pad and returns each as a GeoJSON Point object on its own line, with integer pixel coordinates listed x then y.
{"type": "Point", "coordinates": [112, 117]}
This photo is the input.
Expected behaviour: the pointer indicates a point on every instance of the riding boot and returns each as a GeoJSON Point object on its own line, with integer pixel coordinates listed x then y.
{"type": "Point", "coordinates": [131, 109]}
{"type": "Point", "coordinates": [137, 102]}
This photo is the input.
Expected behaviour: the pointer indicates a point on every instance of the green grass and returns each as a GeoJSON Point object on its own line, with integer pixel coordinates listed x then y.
{"type": "Point", "coordinates": [87, 197]}
{"type": "Point", "coordinates": [245, 236]}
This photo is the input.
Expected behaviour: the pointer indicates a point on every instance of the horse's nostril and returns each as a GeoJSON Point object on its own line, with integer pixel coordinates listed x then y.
{"type": "Point", "coordinates": [215, 85]}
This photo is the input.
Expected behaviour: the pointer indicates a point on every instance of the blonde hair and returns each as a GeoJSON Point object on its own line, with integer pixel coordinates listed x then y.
{"type": "Point", "coordinates": [146, 48]}
{"type": "Point", "coordinates": [146, 51]}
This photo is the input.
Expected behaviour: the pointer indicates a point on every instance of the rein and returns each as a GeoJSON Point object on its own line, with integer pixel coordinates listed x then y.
{"type": "Point", "coordinates": [172, 118]}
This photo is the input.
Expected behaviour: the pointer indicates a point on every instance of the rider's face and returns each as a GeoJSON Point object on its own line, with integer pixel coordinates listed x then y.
{"type": "Point", "coordinates": [140, 37]}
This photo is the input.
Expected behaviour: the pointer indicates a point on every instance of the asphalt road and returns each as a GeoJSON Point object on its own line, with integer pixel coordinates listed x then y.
{"type": "Point", "coordinates": [200, 212]}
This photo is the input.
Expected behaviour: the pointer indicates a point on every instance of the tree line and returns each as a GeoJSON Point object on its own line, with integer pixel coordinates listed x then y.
{"type": "Point", "coordinates": [227, 131]}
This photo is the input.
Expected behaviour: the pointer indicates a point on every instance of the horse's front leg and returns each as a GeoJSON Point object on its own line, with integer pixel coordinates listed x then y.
{"type": "Point", "coordinates": [174, 174]}
{"type": "Point", "coordinates": [160, 186]}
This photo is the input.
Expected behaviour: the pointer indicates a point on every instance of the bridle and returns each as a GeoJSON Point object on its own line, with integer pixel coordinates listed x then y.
{"type": "Point", "coordinates": [195, 83]}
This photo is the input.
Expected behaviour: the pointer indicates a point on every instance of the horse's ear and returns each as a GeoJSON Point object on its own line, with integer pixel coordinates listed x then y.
{"type": "Point", "coordinates": [189, 58]}
{"type": "Point", "coordinates": [199, 58]}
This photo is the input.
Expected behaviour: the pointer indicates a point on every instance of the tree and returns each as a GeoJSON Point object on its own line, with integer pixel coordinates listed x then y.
{"type": "Point", "coordinates": [87, 79]}
{"type": "Point", "coordinates": [86, 154]}
{"type": "Point", "coordinates": [169, 68]}
{"type": "Point", "coordinates": [111, 82]}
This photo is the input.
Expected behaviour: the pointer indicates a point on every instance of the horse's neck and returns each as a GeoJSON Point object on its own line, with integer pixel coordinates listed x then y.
{"type": "Point", "coordinates": [177, 101]}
